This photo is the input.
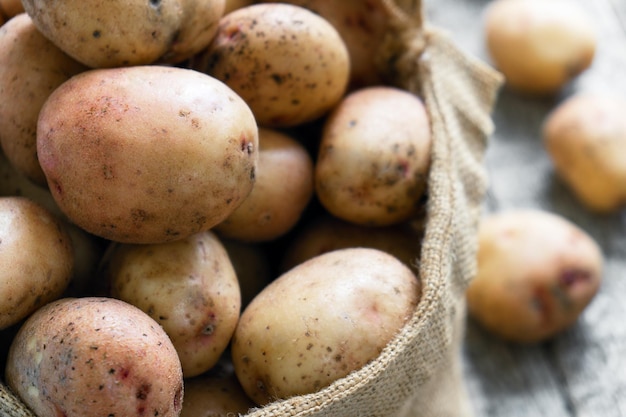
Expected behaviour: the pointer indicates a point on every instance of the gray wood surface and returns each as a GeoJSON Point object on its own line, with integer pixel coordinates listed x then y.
{"type": "Point", "coordinates": [581, 372]}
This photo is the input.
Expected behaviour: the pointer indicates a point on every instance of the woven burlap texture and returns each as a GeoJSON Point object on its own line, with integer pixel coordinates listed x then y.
{"type": "Point", "coordinates": [419, 372]}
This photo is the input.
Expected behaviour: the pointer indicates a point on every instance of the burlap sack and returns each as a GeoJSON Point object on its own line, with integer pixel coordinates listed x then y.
{"type": "Point", "coordinates": [419, 372]}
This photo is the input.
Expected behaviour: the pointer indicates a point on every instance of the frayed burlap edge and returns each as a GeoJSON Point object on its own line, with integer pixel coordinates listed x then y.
{"type": "Point", "coordinates": [418, 373]}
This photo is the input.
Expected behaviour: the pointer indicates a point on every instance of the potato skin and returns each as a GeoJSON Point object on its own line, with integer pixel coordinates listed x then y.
{"type": "Point", "coordinates": [374, 157]}
{"type": "Point", "coordinates": [36, 255]}
{"type": "Point", "coordinates": [281, 192]}
{"type": "Point", "coordinates": [321, 320]}
{"type": "Point", "coordinates": [188, 286]}
{"type": "Point", "coordinates": [539, 45]}
{"type": "Point", "coordinates": [94, 357]}
{"type": "Point", "coordinates": [289, 64]}
{"type": "Point", "coordinates": [32, 67]}
{"type": "Point", "coordinates": [537, 272]}
{"type": "Point", "coordinates": [585, 137]}
{"type": "Point", "coordinates": [147, 154]}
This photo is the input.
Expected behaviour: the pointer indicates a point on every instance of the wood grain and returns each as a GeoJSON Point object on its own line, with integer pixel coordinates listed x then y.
{"type": "Point", "coordinates": [582, 372]}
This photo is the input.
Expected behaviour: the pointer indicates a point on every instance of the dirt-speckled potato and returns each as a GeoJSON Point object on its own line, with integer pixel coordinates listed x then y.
{"type": "Point", "coordinates": [290, 65]}
{"type": "Point", "coordinates": [585, 137]}
{"type": "Point", "coordinates": [537, 272]}
{"type": "Point", "coordinates": [374, 157]}
{"type": "Point", "coordinates": [32, 67]}
{"type": "Point", "coordinates": [327, 233]}
{"type": "Point", "coordinates": [362, 25]}
{"type": "Point", "coordinates": [320, 321]}
{"type": "Point", "coordinates": [281, 192]}
{"type": "Point", "coordinates": [36, 255]}
{"type": "Point", "coordinates": [147, 154]}
{"type": "Point", "coordinates": [188, 286]}
{"type": "Point", "coordinates": [539, 45]}
{"type": "Point", "coordinates": [127, 32]}
{"type": "Point", "coordinates": [94, 356]}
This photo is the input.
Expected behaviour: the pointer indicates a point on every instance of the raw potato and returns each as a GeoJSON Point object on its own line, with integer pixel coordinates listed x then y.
{"type": "Point", "coordinates": [537, 272]}
{"type": "Point", "coordinates": [289, 64]}
{"type": "Point", "coordinates": [32, 67]}
{"type": "Point", "coordinates": [215, 394]}
{"type": "Point", "coordinates": [362, 26]}
{"type": "Point", "coordinates": [36, 255]}
{"type": "Point", "coordinates": [189, 287]}
{"type": "Point", "coordinates": [123, 33]}
{"type": "Point", "coordinates": [9, 9]}
{"type": "Point", "coordinates": [320, 321]}
{"type": "Point", "coordinates": [281, 193]}
{"type": "Point", "coordinates": [374, 157]}
{"type": "Point", "coordinates": [539, 45]}
{"type": "Point", "coordinates": [585, 137]}
{"type": "Point", "coordinates": [147, 154]}
{"type": "Point", "coordinates": [326, 233]}
{"type": "Point", "coordinates": [95, 357]}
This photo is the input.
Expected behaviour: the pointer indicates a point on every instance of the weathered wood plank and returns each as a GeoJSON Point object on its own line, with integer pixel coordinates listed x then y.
{"type": "Point", "coordinates": [583, 371]}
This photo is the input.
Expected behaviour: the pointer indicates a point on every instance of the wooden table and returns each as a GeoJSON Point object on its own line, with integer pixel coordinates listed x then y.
{"type": "Point", "coordinates": [582, 372]}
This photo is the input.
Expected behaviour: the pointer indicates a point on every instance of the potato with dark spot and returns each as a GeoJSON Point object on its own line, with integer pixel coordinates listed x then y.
{"type": "Point", "coordinates": [188, 286]}
{"type": "Point", "coordinates": [290, 65]}
{"type": "Point", "coordinates": [147, 154]}
{"type": "Point", "coordinates": [122, 33]}
{"type": "Point", "coordinates": [32, 67]}
{"type": "Point", "coordinates": [585, 137]}
{"type": "Point", "coordinates": [539, 45]}
{"type": "Point", "coordinates": [537, 272]}
{"type": "Point", "coordinates": [374, 157]}
{"type": "Point", "coordinates": [36, 255]}
{"type": "Point", "coordinates": [281, 192]}
{"type": "Point", "coordinates": [320, 321]}
{"type": "Point", "coordinates": [363, 26]}
{"type": "Point", "coordinates": [94, 356]}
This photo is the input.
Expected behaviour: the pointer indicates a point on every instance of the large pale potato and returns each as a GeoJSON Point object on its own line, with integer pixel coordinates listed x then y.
{"type": "Point", "coordinates": [290, 65]}
{"type": "Point", "coordinates": [94, 357]}
{"type": "Point", "coordinates": [127, 32]}
{"type": "Point", "coordinates": [188, 286]}
{"type": "Point", "coordinates": [374, 157]}
{"type": "Point", "coordinates": [36, 255]}
{"type": "Point", "coordinates": [320, 321]}
{"type": "Point", "coordinates": [32, 67]}
{"type": "Point", "coordinates": [282, 191]}
{"type": "Point", "coordinates": [539, 45]}
{"type": "Point", "coordinates": [585, 137]}
{"type": "Point", "coordinates": [537, 272]}
{"type": "Point", "coordinates": [147, 154]}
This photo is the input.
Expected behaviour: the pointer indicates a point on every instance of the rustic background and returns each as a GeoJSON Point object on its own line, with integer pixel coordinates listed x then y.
{"type": "Point", "coordinates": [582, 372]}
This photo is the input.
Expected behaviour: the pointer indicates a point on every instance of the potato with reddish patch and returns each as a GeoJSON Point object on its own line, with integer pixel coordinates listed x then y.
{"type": "Point", "coordinates": [122, 33]}
{"type": "Point", "coordinates": [36, 255]}
{"type": "Point", "coordinates": [537, 272]}
{"type": "Point", "coordinates": [320, 321]}
{"type": "Point", "coordinates": [94, 356]}
{"type": "Point", "coordinates": [539, 45]}
{"type": "Point", "coordinates": [188, 286]}
{"type": "Point", "coordinates": [32, 67]}
{"type": "Point", "coordinates": [147, 154]}
{"type": "Point", "coordinates": [585, 137]}
{"type": "Point", "coordinates": [374, 157]}
{"type": "Point", "coordinates": [281, 193]}
{"type": "Point", "coordinates": [290, 65]}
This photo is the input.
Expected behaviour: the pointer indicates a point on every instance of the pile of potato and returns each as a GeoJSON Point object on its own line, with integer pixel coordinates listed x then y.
{"type": "Point", "coordinates": [167, 167]}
